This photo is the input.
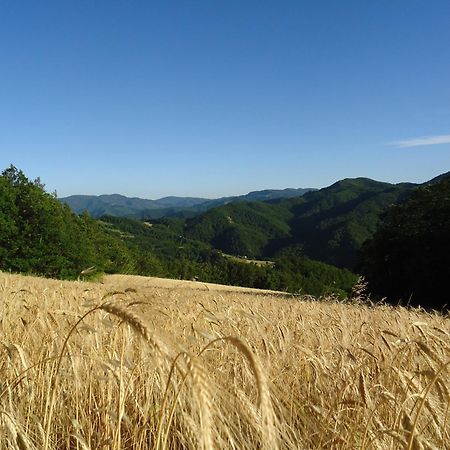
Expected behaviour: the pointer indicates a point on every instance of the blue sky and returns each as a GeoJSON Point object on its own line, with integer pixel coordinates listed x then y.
{"type": "Point", "coordinates": [220, 97]}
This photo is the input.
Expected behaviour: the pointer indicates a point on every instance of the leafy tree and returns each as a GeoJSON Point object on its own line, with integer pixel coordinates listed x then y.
{"type": "Point", "coordinates": [39, 235]}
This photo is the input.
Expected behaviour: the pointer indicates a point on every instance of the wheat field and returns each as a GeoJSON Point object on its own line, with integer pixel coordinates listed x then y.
{"type": "Point", "coordinates": [142, 363]}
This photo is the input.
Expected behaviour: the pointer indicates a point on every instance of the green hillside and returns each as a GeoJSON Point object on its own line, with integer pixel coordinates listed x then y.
{"type": "Point", "coordinates": [240, 228]}
{"type": "Point", "coordinates": [162, 250]}
{"type": "Point", "coordinates": [330, 224]}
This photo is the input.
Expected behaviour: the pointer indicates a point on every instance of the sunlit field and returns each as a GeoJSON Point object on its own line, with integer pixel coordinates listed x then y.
{"type": "Point", "coordinates": [142, 363]}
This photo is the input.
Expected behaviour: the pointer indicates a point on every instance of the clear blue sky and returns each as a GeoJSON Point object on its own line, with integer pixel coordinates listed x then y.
{"type": "Point", "coordinates": [219, 97]}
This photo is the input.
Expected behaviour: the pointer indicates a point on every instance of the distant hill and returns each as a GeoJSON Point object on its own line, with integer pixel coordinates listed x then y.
{"type": "Point", "coordinates": [329, 225]}
{"type": "Point", "coordinates": [121, 206]}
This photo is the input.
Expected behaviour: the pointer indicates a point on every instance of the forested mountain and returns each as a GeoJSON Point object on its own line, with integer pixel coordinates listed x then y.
{"type": "Point", "coordinates": [121, 206]}
{"type": "Point", "coordinates": [330, 224]}
{"type": "Point", "coordinates": [255, 196]}
{"type": "Point", "coordinates": [162, 250]}
{"type": "Point", "coordinates": [437, 179]}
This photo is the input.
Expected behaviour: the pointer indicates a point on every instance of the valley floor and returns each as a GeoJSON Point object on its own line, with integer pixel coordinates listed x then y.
{"type": "Point", "coordinates": [159, 364]}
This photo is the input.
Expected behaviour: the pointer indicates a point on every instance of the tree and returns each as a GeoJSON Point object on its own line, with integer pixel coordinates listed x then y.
{"type": "Point", "coordinates": [40, 235]}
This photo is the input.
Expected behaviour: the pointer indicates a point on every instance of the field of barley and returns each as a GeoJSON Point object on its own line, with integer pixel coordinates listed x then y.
{"type": "Point", "coordinates": [143, 363]}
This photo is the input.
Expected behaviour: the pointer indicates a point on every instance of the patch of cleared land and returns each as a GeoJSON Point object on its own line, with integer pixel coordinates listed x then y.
{"type": "Point", "coordinates": [159, 364]}
{"type": "Point", "coordinates": [258, 262]}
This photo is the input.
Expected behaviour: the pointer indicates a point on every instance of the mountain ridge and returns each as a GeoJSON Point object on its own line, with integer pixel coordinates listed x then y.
{"type": "Point", "coordinates": [328, 225]}
{"type": "Point", "coordinates": [122, 206]}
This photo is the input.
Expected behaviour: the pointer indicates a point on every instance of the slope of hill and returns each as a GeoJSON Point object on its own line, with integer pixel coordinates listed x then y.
{"type": "Point", "coordinates": [201, 368]}
{"type": "Point", "coordinates": [121, 206]}
{"type": "Point", "coordinates": [330, 224]}
{"type": "Point", "coordinates": [186, 258]}
{"type": "Point", "coordinates": [438, 179]}
{"type": "Point", "coordinates": [255, 196]}
{"type": "Point", "coordinates": [240, 228]}
{"type": "Point", "coordinates": [333, 223]}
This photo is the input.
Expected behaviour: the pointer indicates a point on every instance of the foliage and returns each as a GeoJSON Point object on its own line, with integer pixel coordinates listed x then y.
{"type": "Point", "coordinates": [408, 258]}
{"type": "Point", "coordinates": [185, 258]}
{"type": "Point", "coordinates": [39, 235]}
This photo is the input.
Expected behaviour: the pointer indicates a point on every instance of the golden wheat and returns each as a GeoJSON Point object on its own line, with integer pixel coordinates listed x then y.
{"type": "Point", "coordinates": [142, 363]}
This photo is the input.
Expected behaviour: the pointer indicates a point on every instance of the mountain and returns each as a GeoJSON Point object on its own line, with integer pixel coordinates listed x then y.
{"type": "Point", "coordinates": [254, 196]}
{"type": "Point", "coordinates": [180, 202]}
{"type": "Point", "coordinates": [122, 206]}
{"type": "Point", "coordinates": [329, 225]}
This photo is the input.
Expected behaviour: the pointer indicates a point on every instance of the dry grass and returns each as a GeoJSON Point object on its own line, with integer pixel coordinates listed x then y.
{"type": "Point", "coordinates": [139, 363]}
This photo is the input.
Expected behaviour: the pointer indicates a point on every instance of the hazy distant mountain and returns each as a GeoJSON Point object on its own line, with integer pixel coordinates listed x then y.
{"type": "Point", "coordinates": [122, 206]}
{"type": "Point", "coordinates": [180, 202]}
{"type": "Point", "coordinates": [254, 196]}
